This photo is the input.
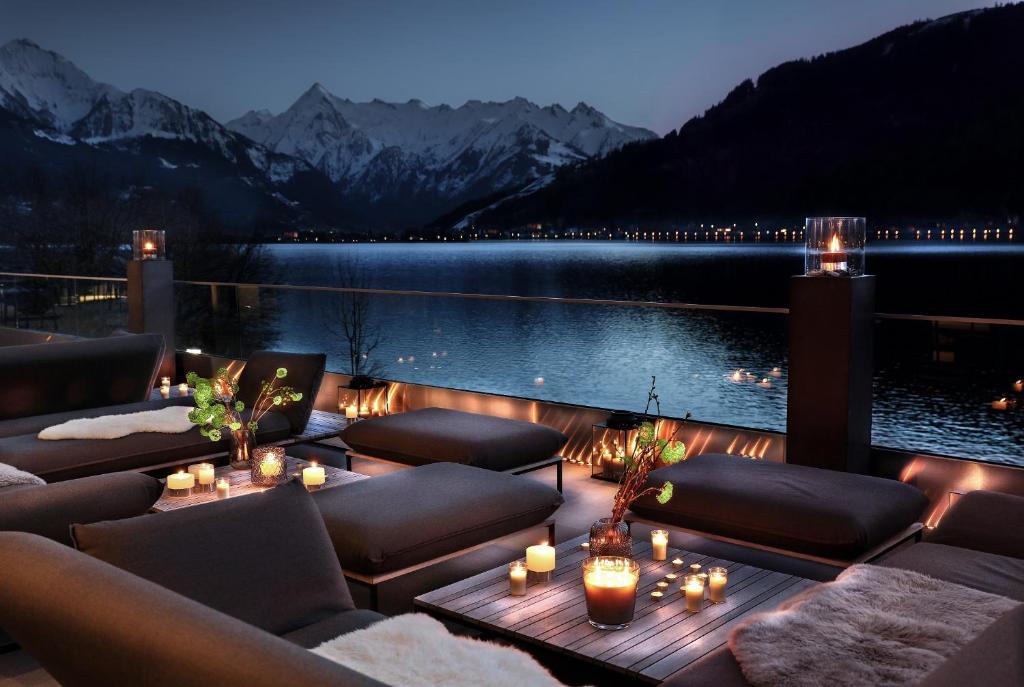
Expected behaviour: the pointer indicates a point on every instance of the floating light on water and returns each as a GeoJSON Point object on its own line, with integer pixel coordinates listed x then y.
{"type": "Point", "coordinates": [776, 372]}
{"type": "Point", "coordinates": [765, 383]}
{"type": "Point", "coordinates": [538, 381]}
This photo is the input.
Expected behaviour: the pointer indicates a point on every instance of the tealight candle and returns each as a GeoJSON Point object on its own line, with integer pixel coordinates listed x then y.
{"type": "Point", "coordinates": [517, 578]}
{"type": "Point", "coordinates": [585, 546]}
{"type": "Point", "coordinates": [765, 383]}
{"type": "Point", "coordinates": [223, 489]}
{"type": "Point", "coordinates": [694, 591]}
{"type": "Point", "coordinates": [659, 544]}
{"type": "Point", "coordinates": [717, 578]}
{"type": "Point", "coordinates": [737, 376]}
{"type": "Point", "coordinates": [540, 560]}
{"type": "Point", "coordinates": [183, 389]}
{"type": "Point", "coordinates": [671, 577]}
{"type": "Point", "coordinates": [695, 569]}
{"type": "Point", "coordinates": [677, 562]}
{"type": "Point", "coordinates": [1001, 404]}
{"type": "Point", "coordinates": [776, 372]}
{"type": "Point", "coordinates": [657, 596]}
{"type": "Point", "coordinates": [180, 483]}
{"type": "Point", "coordinates": [314, 476]}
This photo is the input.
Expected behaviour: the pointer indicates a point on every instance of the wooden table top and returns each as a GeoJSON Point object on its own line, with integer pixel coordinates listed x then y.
{"type": "Point", "coordinates": [662, 640]}
{"type": "Point", "coordinates": [242, 485]}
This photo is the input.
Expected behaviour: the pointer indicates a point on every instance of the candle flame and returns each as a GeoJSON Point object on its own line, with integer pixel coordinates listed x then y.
{"type": "Point", "coordinates": [834, 245]}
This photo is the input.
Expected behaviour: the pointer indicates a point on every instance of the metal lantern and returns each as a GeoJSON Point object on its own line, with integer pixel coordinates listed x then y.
{"type": "Point", "coordinates": [148, 244]}
{"type": "Point", "coordinates": [834, 246]}
{"type": "Point", "coordinates": [364, 397]}
{"type": "Point", "coordinates": [611, 441]}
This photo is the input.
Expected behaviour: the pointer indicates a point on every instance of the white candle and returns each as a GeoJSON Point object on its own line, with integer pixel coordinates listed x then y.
{"type": "Point", "coordinates": [694, 591]}
{"type": "Point", "coordinates": [517, 578]}
{"type": "Point", "coordinates": [659, 544]}
{"type": "Point", "coordinates": [657, 595]}
{"type": "Point", "coordinates": [677, 562]}
{"type": "Point", "coordinates": [661, 584]}
{"type": "Point", "coordinates": [351, 412]}
{"type": "Point", "coordinates": [181, 480]}
{"type": "Point", "coordinates": [540, 558]}
{"type": "Point", "coordinates": [314, 475]}
{"type": "Point", "coordinates": [196, 468]}
{"type": "Point", "coordinates": [717, 578]}
{"type": "Point", "coordinates": [671, 577]}
{"type": "Point", "coordinates": [223, 489]}
{"type": "Point", "coordinates": [183, 389]}
{"type": "Point", "coordinates": [205, 475]}
{"type": "Point", "coordinates": [165, 391]}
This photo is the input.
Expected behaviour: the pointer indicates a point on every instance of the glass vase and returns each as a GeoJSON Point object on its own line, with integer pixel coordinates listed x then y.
{"type": "Point", "coordinates": [242, 444]}
{"type": "Point", "coordinates": [609, 538]}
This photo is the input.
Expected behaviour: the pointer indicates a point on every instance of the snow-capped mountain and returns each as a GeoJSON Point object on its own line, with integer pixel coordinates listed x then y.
{"type": "Point", "coordinates": [70, 107]}
{"type": "Point", "coordinates": [436, 156]}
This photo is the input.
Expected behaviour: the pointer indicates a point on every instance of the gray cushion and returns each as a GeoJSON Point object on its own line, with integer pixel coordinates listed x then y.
{"type": "Point", "coordinates": [985, 571]}
{"type": "Point", "coordinates": [305, 371]}
{"type": "Point", "coordinates": [979, 519]}
{"type": "Point", "coordinates": [440, 435]}
{"type": "Point", "coordinates": [49, 510]}
{"type": "Point", "coordinates": [71, 458]}
{"type": "Point", "coordinates": [243, 556]}
{"type": "Point", "coordinates": [993, 658]}
{"type": "Point", "coordinates": [410, 516]}
{"type": "Point", "coordinates": [56, 377]}
{"type": "Point", "coordinates": [314, 635]}
{"type": "Point", "coordinates": [825, 513]}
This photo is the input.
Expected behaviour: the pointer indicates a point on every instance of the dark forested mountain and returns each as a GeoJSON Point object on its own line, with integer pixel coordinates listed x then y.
{"type": "Point", "coordinates": [922, 122]}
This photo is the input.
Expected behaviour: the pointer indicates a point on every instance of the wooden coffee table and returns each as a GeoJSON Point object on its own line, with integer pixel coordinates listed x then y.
{"type": "Point", "coordinates": [242, 485]}
{"type": "Point", "coordinates": [662, 640]}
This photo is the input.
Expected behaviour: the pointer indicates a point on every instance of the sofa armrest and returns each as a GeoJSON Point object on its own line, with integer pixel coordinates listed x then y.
{"type": "Point", "coordinates": [49, 510]}
{"type": "Point", "coordinates": [984, 521]}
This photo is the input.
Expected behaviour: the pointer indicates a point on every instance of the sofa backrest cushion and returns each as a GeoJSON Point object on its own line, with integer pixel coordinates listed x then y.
{"type": "Point", "coordinates": [61, 377]}
{"type": "Point", "coordinates": [980, 520]}
{"type": "Point", "coordinates": [88, 623]}
{"type": "Point", "coordinates": [995, 657]}
{"type": "Point", "coordinates": [305, 371]}
{"type": "Point", "coordinates": [263, 558]}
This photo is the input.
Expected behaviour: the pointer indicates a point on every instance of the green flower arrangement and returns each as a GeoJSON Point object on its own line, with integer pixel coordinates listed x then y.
{"type": "Point", "coordinates": [217, 408]}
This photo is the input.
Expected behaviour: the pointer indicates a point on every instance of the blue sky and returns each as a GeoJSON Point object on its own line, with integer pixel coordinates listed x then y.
{"type": "Point", "coordinates": [647, 62]}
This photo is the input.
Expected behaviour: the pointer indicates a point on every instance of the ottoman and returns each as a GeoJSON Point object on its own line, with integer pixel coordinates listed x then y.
{"type": "Point", "coordinates": [390, 525]}
{"type": "Point", "coordinates": [833, 517]}
{"type": "Point", "coordinates": [434, 435]}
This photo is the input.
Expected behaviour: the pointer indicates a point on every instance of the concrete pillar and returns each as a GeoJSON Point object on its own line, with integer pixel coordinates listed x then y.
{"type": "Point", "coordinates": [831, 366]}
{"type": "Point", "coordinates": [151, 304]}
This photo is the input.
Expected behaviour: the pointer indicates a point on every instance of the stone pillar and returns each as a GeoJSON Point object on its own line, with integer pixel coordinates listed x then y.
{"type": "Point", "coordinates": [831, 366]}
{"type": "Point", "coordinates": [151, 304]}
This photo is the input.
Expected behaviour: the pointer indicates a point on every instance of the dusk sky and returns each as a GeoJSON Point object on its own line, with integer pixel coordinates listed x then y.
{"type": "Point", "coordinates": [646, 63]}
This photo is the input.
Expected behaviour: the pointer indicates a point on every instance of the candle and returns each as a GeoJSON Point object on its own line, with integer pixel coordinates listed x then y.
{"type": "Point", "coordinates": [223, 489]}
{"type": "Point", "coordinates": [609, 583]}
{"type": "Point", "coordinates": [1018, 386]}
{"type": "Point", "coordinates": [517, 578]}
{"type": "Point", "coordinates": [717, 577]}
{"type": "Point", "coordinates": [677, 562]}
{"type": "Point", "coordinates": [585, 546]}
{"type": "Point", "coordinates": [165, 381]}
{"type": "Point", "coordinates": [148, 250]}
{"type": "Point", "coordinates": [765, 383]}
{"type": "Point", "coordinates": [737, 376]}
{"type": "Point", "coordinates": [834, 259]}
{"type": "Point", "coordinates": [183, 389]}
{"type": "Point", "coordinates": [195, 468]}
{"type": "Point", "coordinates": [1001, 404]}
{"type": "Point", "coordinates": [776, 372]}
{"type": "Point", "coordinates": [659, 544]}
{"type": "Point", "coordinates": [695, 569]}
{"type": "Point", "coordinates": [205, 474]}
{"type": "Point", "coordinates": [657, 596]}
{"type": "Point", "coordinates": [314, 475]}
{"type": "Point", "coordinates": [540, 560]}
{"type": "Point", "coordinates": [181, 481]}
{"type": "Point", "coordinates": [165, 392]}
{"type": "Point", "coordinates": [694, 591]}
{"type": "Point", "coordinates": [671, 577]}
{"type": "Point", "coordinates": [351, 412]}
{"type": "Point", "coordinates": [661, 584]}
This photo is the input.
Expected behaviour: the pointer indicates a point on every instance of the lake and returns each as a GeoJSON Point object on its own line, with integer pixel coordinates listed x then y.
{"type": "Point", "coordinates": [604, 356]}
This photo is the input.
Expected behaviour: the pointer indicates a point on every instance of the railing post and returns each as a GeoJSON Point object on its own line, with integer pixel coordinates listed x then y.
{"type": "Point", "coordinates": [831, 367]}
{"type": "Point", "coordinates": [151, 304]}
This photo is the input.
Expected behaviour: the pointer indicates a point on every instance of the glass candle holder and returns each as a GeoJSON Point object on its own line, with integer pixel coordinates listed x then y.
{"type": "Point", "coordinates": [148, 244]}
{"type": "Point", "coordinates": [693, 588]}
{"type": "Point", "coordinates": [834, 246]}
{"type": "Point", "coordinates": [180, 483]}
{"type": "Point", "coordinates": [659, 544]}
{"type": "Point", "coordinates": [717, 579]}
{"type": "Point", "coordinates": [517, 578]}
{"type": "Point", "coordinates": [223, 489]}
{"type": "Point", "coordinates": [268, 466]}
{"type": "Point", "coordinates": [609, 583]}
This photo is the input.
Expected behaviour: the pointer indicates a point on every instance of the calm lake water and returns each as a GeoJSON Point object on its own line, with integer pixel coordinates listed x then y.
{"type": "Point", "coordinates": [604, 356]}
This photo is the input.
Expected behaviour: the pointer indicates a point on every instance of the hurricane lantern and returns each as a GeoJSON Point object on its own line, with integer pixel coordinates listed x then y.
{"type": "Point", "coordinates": [148, 244]}
{"type": "Point", "coordinates": [834, 246]}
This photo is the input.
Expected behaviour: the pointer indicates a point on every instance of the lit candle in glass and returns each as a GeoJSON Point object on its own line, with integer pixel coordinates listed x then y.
{"type": "Point", "coordinates": [223, 489]}
{"type": "Point", "coordinates": [693, 588]}
{"type": "Point", "coordinates": [717, 579]}
{"type": "Point", "coordinates": [183, 389]}
{"type": "Point", "coordinates": [517, 578]}
{"type": "Point", "coordinates": [540, 561]}
{"type": "Point", "coordinates": [181, 483]}
{"type": "Point", "coordinates": [609, 583]}
{"type": "Point", "coordinates": [165, 391]}
{"type": "Point", "coordinates": [659, 544]}
{"type": "Point", "coordinates": [351, 413]}
{"type": "Point", "coordinates": [314, 476]}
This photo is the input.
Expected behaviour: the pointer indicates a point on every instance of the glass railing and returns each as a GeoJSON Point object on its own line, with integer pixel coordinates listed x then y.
{"type": "Point", "coordinates": [79, 306]}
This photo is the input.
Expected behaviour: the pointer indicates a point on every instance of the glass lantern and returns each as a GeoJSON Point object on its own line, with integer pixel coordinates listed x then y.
{"type": "Point", "coordinates": [269, 466]}
{"type": "Point", "coordinates": [363, 397]}
{"type": "Point", "coordinates": [148, 244]}
{"type": "Point", "coordinates": [611, 441]}
{"type": "Point", "coordinates": [834, 246]}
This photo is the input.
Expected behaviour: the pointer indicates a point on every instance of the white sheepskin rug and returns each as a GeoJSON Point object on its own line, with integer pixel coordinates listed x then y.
{"type": "Point", "coordinates": [414, 650]}
{"type": "Point", "coordinates": [170, 420]}
{"type": "Point", "coordinates": [873, 626]}
{"type": "Point", "coordinates": [11, 476]}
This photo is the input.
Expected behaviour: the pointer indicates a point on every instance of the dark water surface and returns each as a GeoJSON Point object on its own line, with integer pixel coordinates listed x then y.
{"type": "Point", "coordinates": [605, 355]}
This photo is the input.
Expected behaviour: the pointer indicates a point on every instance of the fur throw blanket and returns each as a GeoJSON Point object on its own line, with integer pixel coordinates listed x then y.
{"type": "Point", "coordinates": [11, 476]}
{"type": "Point", "coordinates": [414, 650]}
{"type": "Point", "coordinates": [170, 420]}
{"type": "Point", "coordinates": [873, 626]}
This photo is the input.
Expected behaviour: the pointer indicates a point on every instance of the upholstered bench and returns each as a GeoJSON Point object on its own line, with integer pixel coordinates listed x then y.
{"type": "Point", "coordinates": [833, 517]}
{"type": "Point", "coordinates": [435, 435]}
{"type": "Point", "coordinates": [392, 525]}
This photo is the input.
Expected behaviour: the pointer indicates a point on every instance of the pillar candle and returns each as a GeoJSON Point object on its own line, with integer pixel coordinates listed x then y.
{"type": "Point", "coordinates": [223, 489]}
{"type": "Point", "coordinates": [195, 468]}
{"type": "Point", "coordinates": [517, 578]}
{"type": "Point", "coordinates": [165, 391]}
{"type": "Point", "coordinates": [540, 558]}
{"type": "Point", "coordinates": [314, 475]}
{"type": "Point", "coordinates": [1018, 386]}
{"type": "Point", "coordinates": [205, 474]}
{"type": "Point", "coordinates": [659, 544]}
{"type": "Point", "coordinates": [183, 389]}
{"type": "Point", "coordinates": [694, 591]}
{"type": "Point", "coordinates": [717, 578]}
{"type": "Point", "coordinates": [181, 480]}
